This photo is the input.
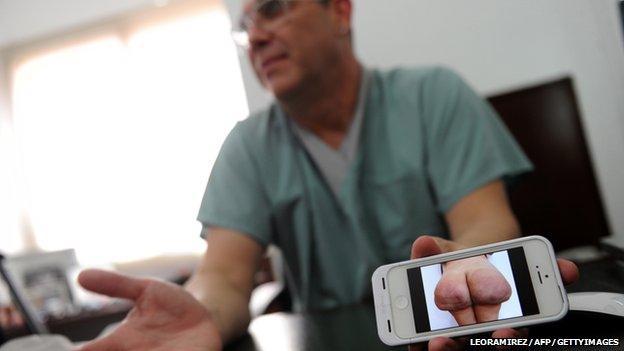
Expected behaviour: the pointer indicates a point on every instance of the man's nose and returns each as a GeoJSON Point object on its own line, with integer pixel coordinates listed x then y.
{"type": "Point", "coordinates": [258, 36]}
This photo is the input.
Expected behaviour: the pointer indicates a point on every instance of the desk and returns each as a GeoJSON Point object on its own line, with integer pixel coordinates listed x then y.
{"type": "Point", "coordinates": [82, 327]}
{"type": "Point", "coordinates": [349, 328]}
{"type": "Point", "coordinates": [353, 328]}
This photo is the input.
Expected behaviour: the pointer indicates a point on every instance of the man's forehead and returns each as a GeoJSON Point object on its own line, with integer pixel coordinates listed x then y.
{"type": "Point", "coordinates": [248, 5]}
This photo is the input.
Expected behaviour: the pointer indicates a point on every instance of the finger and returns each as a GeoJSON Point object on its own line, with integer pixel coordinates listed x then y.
{"type": "Point", "coordinates": [443, 344]}
{"type": "Point", "coordinates": [425, 246]}
{"type": "Point", "coordinates": [486, 313]}
{"type": "Point", "coordinates": [569, 271]}
{"type": "Point", "coordinates": [112, 284]}
{"type": "Point", "coordinates": [507, 333]}
{"type": "Point", "coordinates": [488, 286]}
{"type": "Point", "coordinates": [524, 332]}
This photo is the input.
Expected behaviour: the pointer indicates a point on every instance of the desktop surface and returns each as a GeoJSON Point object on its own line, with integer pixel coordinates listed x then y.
{"type": "Point", "coordinates": [353, 328]}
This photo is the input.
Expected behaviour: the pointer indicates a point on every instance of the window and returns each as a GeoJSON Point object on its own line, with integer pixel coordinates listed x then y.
{"type": "Point", "coordinates": [118, 129]}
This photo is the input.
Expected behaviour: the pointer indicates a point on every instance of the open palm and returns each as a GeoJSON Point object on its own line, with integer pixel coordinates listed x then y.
{"type": "Point", "coordinates": [165, 317]}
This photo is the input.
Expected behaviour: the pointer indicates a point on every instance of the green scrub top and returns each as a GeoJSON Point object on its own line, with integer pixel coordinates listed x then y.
{"type": "Point", "coordinates": [427, 140]}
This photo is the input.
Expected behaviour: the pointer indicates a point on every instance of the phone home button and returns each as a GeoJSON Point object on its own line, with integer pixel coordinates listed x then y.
{"type": "Point", "coordinates": [401, 302]}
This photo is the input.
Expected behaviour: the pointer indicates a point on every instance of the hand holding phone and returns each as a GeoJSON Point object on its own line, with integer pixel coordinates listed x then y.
{"type": "Point", "coordinates": [410, 307]}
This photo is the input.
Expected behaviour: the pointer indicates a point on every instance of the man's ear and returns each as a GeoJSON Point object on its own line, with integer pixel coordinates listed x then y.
{"type": "Point", "coordinates": [342, 10]}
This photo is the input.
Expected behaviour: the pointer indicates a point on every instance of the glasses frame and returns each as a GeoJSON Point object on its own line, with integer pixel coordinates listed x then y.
{"type": "Point", "coordinates": [240, 34]}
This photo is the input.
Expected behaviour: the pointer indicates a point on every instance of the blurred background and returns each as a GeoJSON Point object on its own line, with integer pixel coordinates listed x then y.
{"type": "Point", "coordinates": [112, 112]}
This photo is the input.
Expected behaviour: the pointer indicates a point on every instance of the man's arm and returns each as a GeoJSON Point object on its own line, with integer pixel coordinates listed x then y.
{"type": "Point", "coordinates": [223, 282]}
{"type": "Point", "coordinates": [482, 217]}
{"type": "Point", "coordinates": [473, 289]}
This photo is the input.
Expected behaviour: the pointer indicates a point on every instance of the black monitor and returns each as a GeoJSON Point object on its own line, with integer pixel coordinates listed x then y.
{"type": "Point", "coordinates": [622, 14]}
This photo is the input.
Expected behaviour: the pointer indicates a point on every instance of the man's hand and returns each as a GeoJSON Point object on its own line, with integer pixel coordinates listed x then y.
{"type": "Point", "coordinates": [428, 246]}
{"type": "Point", "coordinates": [165, 317]}
{"type": "Point", "coordinates": [472, 290]}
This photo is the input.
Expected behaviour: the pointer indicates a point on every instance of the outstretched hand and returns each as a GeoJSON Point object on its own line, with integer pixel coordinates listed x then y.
{"type": "Point", "coordinates": [165, 317]}
{"type": "Point", "coordinates": [460, 290]}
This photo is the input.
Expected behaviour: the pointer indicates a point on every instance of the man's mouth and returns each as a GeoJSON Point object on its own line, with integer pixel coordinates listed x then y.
{"type": "Point", "coordinates": [271, 61]}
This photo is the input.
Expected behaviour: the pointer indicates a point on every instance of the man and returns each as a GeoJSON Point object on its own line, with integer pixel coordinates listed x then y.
{"type": "Point", "coordinates": [343, 172]}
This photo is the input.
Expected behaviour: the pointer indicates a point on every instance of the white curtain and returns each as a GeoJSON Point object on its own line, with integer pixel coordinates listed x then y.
{"type": "Point", "coordinates": [117, 131]}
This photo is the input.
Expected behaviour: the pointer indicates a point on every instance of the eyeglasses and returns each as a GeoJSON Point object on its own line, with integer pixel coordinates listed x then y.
{"type": "Point", "coordinates": [265, 14]}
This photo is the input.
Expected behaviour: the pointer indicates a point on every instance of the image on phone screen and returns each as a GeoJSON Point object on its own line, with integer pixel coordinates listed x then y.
{"type": "Point", "coordinates": [512, 264]}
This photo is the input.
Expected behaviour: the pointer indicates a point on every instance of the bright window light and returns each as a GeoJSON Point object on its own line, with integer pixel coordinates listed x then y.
{"type": "Point", "coordinates": [9, 199]}
{"type": "Point", "coordinates": [118, 136]}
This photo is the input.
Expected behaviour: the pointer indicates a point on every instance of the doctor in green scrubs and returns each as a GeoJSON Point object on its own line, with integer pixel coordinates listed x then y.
{"type": "Point", "coordinates": [345, 171]}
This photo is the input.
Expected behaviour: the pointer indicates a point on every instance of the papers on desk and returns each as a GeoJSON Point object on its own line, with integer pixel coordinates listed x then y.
{"type": "Point", "coordinates": [38, 343]}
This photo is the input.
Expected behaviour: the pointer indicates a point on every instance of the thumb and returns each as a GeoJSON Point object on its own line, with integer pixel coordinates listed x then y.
{"type": "Point", "coordinates": [112, 284]}
{"type": "Point", "coordinates": [425, 246]}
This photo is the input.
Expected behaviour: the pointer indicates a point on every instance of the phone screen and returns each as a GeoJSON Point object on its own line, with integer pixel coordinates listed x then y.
{"type": "Point", "coordinates": [512, 264]}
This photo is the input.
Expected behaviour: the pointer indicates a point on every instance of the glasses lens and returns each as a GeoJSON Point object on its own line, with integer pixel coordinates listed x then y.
{"type": "Point", "coordinates": [240, 38]}
{"type": "Point", "coordinates": [271, 9]}
{"type": "Point", "coordinates": [267, 10]}
{"type": "Point", "coordinates": [264, 10]}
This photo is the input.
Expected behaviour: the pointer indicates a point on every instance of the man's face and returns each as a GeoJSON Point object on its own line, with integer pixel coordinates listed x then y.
{"type": "Point", "coordinates": [296, 45]}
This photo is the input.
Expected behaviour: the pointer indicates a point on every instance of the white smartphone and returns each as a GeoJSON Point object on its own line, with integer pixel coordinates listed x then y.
{"type": "Point", "coordinates": [405, 306]}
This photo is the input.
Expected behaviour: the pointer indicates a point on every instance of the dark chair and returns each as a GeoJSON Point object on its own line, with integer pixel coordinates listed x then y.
{"type": "Point", "coordinates": [560, 199]}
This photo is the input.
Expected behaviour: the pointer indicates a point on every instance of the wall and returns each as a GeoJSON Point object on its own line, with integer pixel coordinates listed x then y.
{"type": "Point", "coordinates": [22, 20]}
{"type": "Point", "coordinates": [499, 45]}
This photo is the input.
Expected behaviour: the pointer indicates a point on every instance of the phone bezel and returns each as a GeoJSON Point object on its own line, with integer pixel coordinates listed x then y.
{"type": "Point", "coordinates": [551, 296]}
